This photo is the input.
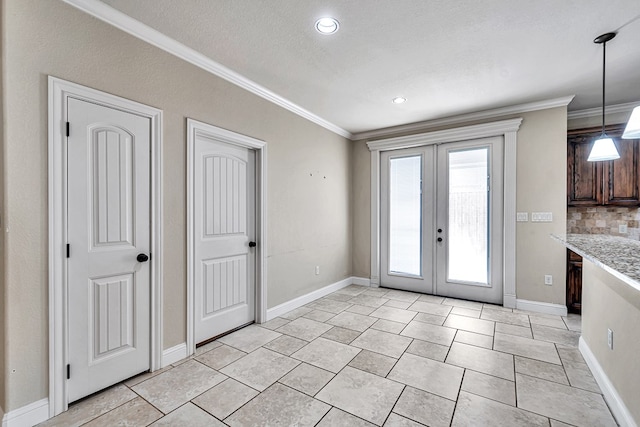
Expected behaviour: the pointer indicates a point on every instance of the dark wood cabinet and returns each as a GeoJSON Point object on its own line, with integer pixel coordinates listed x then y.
{"type": "Point", "coordinates": [615, 183]}
{"type": "Point", "coordinates": [574, 282]}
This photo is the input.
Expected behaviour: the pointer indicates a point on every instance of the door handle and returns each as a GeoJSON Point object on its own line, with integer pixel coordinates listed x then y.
{"type": "Point", "coordinates": [142, 258]}
{"type": "Point", "coordinates": [252, 244]}
{"type": "Point", "coordinates": [439, 239]}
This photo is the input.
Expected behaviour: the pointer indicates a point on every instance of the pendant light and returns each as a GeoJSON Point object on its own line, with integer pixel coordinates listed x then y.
{"type": "Point", "coordinates": [603, 147]}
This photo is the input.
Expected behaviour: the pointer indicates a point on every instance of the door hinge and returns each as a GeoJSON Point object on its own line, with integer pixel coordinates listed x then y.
{"type": "Point", "coordinates": [68, 250]}
{"type": "Point", "coordinates": [67, 129]}
{"type": "Point", "coordinates": [68, 371]}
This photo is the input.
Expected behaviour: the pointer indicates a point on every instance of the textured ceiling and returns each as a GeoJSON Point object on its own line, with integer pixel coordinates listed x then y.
{"type": "Point", "coordinates": [445, 57]}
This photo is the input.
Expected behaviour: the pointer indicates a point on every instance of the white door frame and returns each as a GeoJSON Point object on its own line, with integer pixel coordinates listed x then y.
{"type": "Point", "coordinates": [506, 129]}
{"type": "Point", "coordinates": [204, 130]}
{"type": "Point", "coordinates": [59, 93]}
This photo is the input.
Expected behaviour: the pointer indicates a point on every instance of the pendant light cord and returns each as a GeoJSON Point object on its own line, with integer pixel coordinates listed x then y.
{"type": "Point", "coordinates": [604, 70]}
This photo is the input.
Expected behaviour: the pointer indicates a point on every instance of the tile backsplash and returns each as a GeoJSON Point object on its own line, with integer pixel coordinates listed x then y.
{"type": "Point", "coordinates": [604, 220]}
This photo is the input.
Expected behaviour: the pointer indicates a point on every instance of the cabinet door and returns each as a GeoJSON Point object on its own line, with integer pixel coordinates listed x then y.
{"type": "Point", "coordinates": [584, 179]}
{"type": "Point", "coordinates": [622, 176]}
{"type": "Point", "coordinates": [574, 282]}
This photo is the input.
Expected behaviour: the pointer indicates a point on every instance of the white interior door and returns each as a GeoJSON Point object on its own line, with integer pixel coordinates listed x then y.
{"type": "Point", "coordinates": [441, 219]}
{"type": "Point", "coordinates": [224, 234]}
{"type": "Point", "coordinates": [469, 220]}
{"type": "Point", "coordinates": [108, 167]}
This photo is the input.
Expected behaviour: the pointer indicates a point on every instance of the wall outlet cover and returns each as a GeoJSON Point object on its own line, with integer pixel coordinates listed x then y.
{"type": "Point", "coordinates": [522, 216]}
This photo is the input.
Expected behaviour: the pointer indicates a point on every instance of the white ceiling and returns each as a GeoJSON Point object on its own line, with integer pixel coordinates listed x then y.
{"type": "Point", "coordinates": [446, 57]}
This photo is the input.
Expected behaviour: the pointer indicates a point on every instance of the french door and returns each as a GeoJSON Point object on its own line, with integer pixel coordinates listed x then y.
{"type": "Point", "coordinates": [441, 219]}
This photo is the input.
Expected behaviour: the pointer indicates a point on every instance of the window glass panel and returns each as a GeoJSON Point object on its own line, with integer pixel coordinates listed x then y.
{"type": "Point", "coordinates": [405, 213]}
{"type": "Point", "coordinates": [468, 239]}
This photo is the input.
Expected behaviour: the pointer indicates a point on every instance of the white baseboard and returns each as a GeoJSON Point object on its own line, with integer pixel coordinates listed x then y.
{"type": "Point", "coordinates": [29, 415]}
{"type": "Point", "coordinates": [541, 307]}
{"type": "Point", "coordinates": [174, 354]}
{"type": "Point", "coordinates": [615, 402]}
{"type": "Point", "coordinates": [312, 296]}
{"type": "Point", "coordinates": [362, 281]}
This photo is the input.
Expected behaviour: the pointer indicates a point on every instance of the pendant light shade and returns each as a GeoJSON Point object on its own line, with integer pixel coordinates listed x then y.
{"type": "Point", "coordinates": [603, 149]}
{"type": "Point", "coordinates": [632, 131]}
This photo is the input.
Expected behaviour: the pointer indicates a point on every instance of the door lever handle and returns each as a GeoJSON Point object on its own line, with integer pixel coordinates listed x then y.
{"type": "Point", "coordinates": [252, 244]}
{"type": "Point", "coordinates": [142, 258]}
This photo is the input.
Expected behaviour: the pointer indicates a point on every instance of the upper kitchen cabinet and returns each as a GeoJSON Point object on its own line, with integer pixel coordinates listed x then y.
{"type": "Point", "coordinates": [615, 182]}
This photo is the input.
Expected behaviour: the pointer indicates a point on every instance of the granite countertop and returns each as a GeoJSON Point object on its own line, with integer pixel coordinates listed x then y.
{"type": "Point", "coordinates": [616, 255]}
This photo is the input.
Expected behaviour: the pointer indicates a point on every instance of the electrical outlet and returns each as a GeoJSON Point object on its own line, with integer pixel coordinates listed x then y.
{"type": "Point", "coordinates": [522, 216]}
{"type": "Point", "coordinates": [548, 279]}
{"type": "Point", "coordinates": [317, 270]}
{"type": "Point", "coordinates": [622, 228]}
{"type": "Point", "coordinates": [610, 338]}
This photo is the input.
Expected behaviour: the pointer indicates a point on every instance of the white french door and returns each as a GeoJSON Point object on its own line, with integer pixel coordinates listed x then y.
{"type": "Point", "coordinates": [108, 167]}
{"type": "Point", "coordinates": [407, 219]}
{"type": "Point", "coordinates": [441, 219]}
{"type": "Point", "coordinates": [224, 233]}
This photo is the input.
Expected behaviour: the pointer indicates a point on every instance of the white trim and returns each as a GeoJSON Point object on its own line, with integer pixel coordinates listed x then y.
{"type": "Point", "coordinates": [615, 402]}
{"type": "Point", "coordinates": [204, 130]}
{"type": "Point", "coordinates": [375, 218]}
{"type": "Point", "coordinates": [312, 296]}
{"type": "Point", "coordinates": [596, 112]}
{"type": "Point", "coordinates": [508, 130]}
{"type": "Point", "coordinates": [174, 354]}
{"type": "Point", "coordinates": [59, 92]}
{"type": "Point", "coordinates": [509, 218]}
{"type": "Point", "coordinates": [360, 281]}
{"type": "Point", "coordinates": [541, 307]}
{"type": "Point", "coordinates": [137, 29]}
{"type": "Point", "coordinates": [464, 118]}
{"type": "Point", "coordinates": [29, 415]}
{"type": "Point", "coordinates": [448, 135]}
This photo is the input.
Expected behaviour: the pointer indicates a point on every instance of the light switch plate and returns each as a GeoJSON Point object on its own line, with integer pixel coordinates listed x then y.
{"type": "Point", "coordinates": [522, 217]}
{"type": "Point", "coordinates": [622, 228]}
{"type": "Point", "coordinates": [541, 217]}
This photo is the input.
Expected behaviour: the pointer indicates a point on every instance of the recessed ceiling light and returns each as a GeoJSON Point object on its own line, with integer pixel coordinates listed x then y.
{"type": "Point", "coordinates": [327, 25]}
{"type": "Point", "coordinates": [399, 100]}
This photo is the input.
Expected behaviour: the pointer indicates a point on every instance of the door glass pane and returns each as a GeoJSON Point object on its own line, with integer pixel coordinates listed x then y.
{"type": "Point", "coordinates": [405, 213]}
{"type": "Point", "coordinates": [468, 239]}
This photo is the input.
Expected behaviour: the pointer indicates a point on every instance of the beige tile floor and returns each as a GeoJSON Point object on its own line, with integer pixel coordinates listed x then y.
{"type": "Point", "coordinates": [370, 356]}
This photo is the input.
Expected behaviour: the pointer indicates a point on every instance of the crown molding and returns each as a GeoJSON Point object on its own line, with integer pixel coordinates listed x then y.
{"type": "Point", "coordinates": [464, 118]}
{"type": "Point", "coordinates": [595, 112]}
{"type": "Point", "coordinates": [142, 31]}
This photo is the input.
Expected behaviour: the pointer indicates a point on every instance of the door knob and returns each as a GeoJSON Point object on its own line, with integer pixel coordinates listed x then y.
{"type": "Point", "coordinates": [439, 239]}
{"type": "Point", "coordinates": [252, 244]}
{"type": "Point", "coordinates": [142, 258]}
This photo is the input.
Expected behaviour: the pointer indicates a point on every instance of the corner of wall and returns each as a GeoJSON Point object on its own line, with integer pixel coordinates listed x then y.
{"type": "Point", "coordinates": [2, 219]}
{"type": "Point", "coordinates": [352, 207]}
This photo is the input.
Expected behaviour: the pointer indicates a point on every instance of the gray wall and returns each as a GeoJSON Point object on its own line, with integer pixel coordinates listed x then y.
{"type": "Point", "coordinates": [541, 187]}
{"type": "Point", "coordinates": [309, 217]}
{"type": "Point", "coordinates": [609, 303]}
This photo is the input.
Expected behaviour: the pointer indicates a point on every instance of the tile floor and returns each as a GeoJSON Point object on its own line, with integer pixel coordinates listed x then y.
{"type": "Point", "coordinates": [370, 356]}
